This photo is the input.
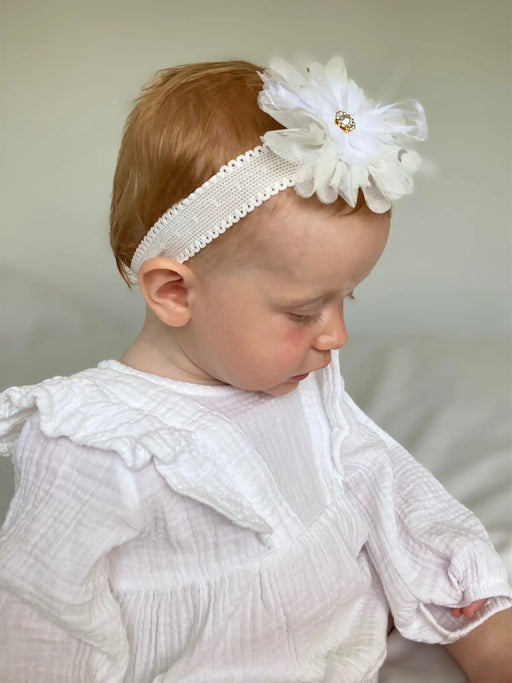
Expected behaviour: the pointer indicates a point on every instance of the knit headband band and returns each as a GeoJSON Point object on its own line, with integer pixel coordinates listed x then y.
{"type": "Point", "coordinates": [335, 142]}
{"type": "Point", "coordinates": [237, 189]}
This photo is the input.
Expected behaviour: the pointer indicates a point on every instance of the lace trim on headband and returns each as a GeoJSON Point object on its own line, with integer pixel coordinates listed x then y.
{"type": "Point", "coordinates": [226, 197]}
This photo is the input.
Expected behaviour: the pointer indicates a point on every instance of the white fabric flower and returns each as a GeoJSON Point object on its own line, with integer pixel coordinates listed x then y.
{"type": "Point", "coordinates": [374, 156]}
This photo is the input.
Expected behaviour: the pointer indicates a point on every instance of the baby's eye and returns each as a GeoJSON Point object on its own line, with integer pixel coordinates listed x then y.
{"type": "Point", "coordinates": [305, 317]}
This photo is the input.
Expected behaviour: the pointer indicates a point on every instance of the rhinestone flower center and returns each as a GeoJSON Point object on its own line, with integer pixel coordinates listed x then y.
{"type": "Point", "coordinates": [344, 121]}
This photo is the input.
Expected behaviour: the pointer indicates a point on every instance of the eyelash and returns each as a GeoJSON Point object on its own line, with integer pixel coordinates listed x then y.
{"type": "Point", "coordinates": [309, 318]}
{"type": "Point", "coordinates": [304, 318]}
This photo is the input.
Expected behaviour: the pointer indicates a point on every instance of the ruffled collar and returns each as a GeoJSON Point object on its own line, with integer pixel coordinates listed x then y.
{"type": "Point", "coordinates": [143, 418]}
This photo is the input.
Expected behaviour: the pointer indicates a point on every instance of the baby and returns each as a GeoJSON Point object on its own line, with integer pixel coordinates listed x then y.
{"type": "Point", "coordinates": [213, 506]}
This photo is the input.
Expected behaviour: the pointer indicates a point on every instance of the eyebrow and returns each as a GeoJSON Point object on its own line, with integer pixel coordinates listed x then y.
{"type": "Point", "coordinates": [296, 303]}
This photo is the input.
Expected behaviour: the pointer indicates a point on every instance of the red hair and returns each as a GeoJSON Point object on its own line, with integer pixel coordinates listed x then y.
{"type": "Point", "coordinates": [188, 122]}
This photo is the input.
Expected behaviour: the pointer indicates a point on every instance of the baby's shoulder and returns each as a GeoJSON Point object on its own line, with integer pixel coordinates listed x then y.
{"type": "Point", "coordinates": [89, 408]}
{"type": "Point", "coordinates": [65, 461]}
{"type": "Point", "coordinates": [108, 408]}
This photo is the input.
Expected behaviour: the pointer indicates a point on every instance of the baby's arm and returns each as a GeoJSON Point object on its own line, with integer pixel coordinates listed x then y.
{"type": "Point", "coordinates": [485, 654]}
{"type": "Point", "coordinates": [60, 621]}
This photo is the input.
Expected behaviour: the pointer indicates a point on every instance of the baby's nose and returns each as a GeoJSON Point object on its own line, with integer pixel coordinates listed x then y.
{"type": "Point", "coordinates": [334, 335]}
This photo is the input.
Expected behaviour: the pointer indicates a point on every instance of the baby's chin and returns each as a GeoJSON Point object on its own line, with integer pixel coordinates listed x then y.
{"type": "Point", "coordinates": [281, 389]}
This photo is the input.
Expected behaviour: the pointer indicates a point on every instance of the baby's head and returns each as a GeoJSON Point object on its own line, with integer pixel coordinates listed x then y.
{"type": "Point", "coordinates": [245, 269]}
{"type": "Point", "coordinates": [189, 121]}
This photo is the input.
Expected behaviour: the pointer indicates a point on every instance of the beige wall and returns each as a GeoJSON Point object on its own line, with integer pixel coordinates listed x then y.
{"type": "Point", "coordinates": [70, 69]}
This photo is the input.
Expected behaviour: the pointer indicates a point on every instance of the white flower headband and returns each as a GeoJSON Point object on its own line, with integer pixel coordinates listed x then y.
{"type": "Point", "coordinates": [336, 141]}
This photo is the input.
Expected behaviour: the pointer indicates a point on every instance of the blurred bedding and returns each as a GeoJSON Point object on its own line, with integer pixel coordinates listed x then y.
{"type": "Point", "coordinates": [447, 400]}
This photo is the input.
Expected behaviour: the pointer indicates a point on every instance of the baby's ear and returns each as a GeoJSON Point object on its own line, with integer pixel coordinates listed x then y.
{"type": "Point", "coordinates": [165, 284]}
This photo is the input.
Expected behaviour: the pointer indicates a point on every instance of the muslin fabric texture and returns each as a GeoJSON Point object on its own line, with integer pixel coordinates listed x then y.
{"type": "Point", "coordinates": [163, 531]}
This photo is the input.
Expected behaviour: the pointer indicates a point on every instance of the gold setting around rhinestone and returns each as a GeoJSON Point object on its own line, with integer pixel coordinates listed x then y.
{"type": "Point", "coordinates": [344, 121]}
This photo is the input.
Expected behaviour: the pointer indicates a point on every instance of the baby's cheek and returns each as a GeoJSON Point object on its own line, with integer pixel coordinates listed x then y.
{"type": "Point", "coordinates": [296, 339]}
{"type": "Point", "coordinates": [292, 348]}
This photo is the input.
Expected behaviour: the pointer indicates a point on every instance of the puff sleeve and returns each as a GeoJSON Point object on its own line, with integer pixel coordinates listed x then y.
{"type": "Point", "coordinates": [60, 621]}
{"type": "Point", "coordinates": [430, 552]}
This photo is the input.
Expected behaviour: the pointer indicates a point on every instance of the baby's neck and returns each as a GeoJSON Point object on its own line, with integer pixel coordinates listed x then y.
{"type": "Point", "coordinates": [140, 357]}
{"type": "Point", "coordinates": [157, 352]}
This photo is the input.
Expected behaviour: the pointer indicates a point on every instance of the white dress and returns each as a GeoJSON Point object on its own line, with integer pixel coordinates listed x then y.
{"type": "Point", "coordinates": [170, 532]}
